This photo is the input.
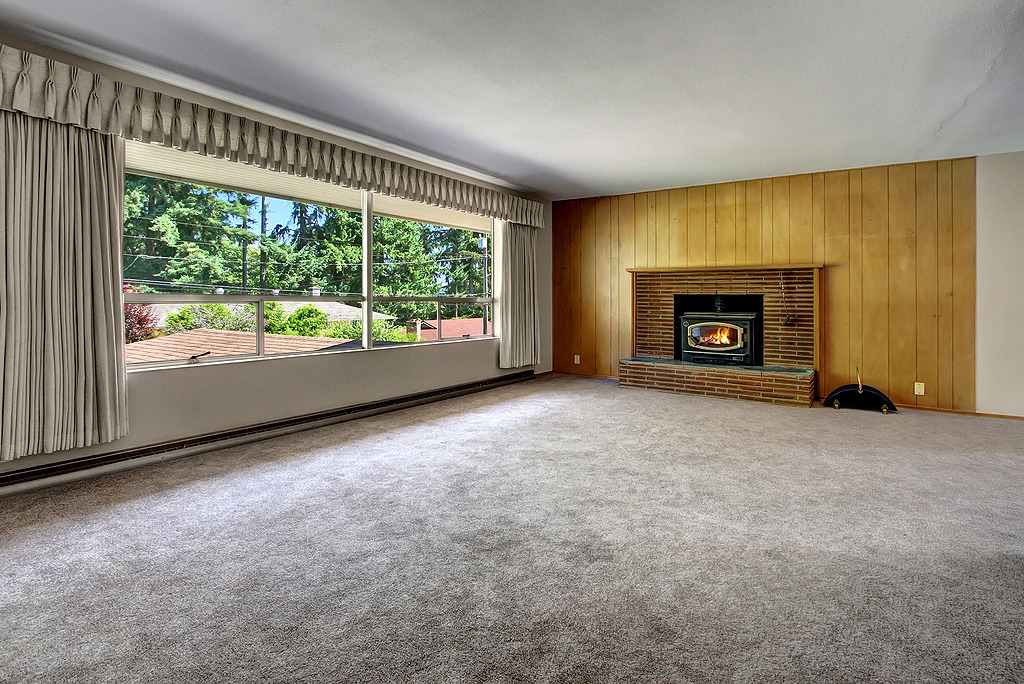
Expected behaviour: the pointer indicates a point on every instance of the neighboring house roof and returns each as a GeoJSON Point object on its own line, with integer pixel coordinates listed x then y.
{"type": "Point", "coordinates": [336, 311]}
{"type": "Point", "coordinates": [182, 345]}
{"type": "Point", "coordinates": [450, 327]}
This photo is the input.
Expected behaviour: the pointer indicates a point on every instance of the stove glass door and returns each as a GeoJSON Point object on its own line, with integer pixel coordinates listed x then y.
{"type": "Point", "coordinates": [715, 336]}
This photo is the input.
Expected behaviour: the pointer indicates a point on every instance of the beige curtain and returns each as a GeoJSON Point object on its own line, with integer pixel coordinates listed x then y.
{"type": "Point", "coordinates": [61, 349]}
{"type": "Point", "coordinates": [517, 308]}
{"type": "Point", "coordinates": [49, 89]}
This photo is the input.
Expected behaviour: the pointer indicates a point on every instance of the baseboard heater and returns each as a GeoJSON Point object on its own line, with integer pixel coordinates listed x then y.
{"type": "Point", "coordinates": [214, 439]}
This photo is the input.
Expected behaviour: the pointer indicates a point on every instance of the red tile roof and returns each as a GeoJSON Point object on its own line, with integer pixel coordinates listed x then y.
{"type": "Point", "coordinates": [182, 345]}
{"type": "Point", "coordinates": [221, 343]}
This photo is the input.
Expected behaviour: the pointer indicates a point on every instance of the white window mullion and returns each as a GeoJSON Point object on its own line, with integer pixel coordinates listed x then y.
{"type": "Point", "coordinates": [259, 327]}
{"type": "Point", "coordinates": [496, 275]}
{"type": "Point", "coordinates": [367, 270]}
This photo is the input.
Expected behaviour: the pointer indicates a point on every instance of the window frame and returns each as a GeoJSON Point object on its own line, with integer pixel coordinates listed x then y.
{"type": "Point", "coordinates": [364, 300]}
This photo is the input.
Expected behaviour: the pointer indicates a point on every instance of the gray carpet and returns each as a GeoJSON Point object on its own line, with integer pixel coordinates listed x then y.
{"type": "Point", "coordinates": [557, 530]}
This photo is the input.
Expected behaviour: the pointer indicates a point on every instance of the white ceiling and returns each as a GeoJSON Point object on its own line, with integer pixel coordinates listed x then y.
{"type": "Point", "coordinates": [589, 98]}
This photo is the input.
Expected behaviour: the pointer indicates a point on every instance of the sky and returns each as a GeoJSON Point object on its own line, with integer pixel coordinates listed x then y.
{"type": "Point", "coordinates": [278, 211]}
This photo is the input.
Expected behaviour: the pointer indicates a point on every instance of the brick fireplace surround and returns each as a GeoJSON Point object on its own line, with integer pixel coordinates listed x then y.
{"type": "Point", "coordinates": [791, 352]}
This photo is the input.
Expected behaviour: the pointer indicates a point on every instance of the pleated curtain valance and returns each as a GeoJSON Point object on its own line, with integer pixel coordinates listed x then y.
{"type": "Point", "coordinates": [50, 89]}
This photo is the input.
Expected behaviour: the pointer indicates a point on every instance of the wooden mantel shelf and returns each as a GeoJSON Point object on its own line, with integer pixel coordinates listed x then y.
{"type": "Point", "coordinates": [752, 267]}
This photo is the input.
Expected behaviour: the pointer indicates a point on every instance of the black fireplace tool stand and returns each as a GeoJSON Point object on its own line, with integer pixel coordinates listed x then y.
{"type": "Point", "coordinates": [860, 396]}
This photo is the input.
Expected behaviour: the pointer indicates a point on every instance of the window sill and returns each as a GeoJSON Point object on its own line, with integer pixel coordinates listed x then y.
{"type": "Point", "coordinates": [249, 358]}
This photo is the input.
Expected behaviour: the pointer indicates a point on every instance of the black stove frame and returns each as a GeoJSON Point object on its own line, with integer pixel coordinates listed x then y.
{"type": "Point", "coordinates": [741, 312]}
{"type": "Point", "coordinates": [740, 354]}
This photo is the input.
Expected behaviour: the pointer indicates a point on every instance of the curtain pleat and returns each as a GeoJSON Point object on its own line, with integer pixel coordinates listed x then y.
{"type": "Point", "coordinates": [517, 311]}
{"type": "Point", "coordinates": [48, 89]}
{"type": "Point", "coordinates": [61, 355]}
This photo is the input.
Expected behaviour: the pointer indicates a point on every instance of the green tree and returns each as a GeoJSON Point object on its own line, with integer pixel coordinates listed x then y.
{"type": "Point", "coordinates": [460, 258]}
{"type": "Point", "coordinates": [403, 266]}
{"type": "Point", "coordinates": [184, 233]}
{"type": "Point", "coordinates": [184, 237]}
{"type": "Point", "coordinates": [327, 243]}
{"type": "Point", "coordinates": [307, 321]}
{"type": "Point", "coordinates": [307, 225]}
{"type": "Point", "coordinates": [274, 319]}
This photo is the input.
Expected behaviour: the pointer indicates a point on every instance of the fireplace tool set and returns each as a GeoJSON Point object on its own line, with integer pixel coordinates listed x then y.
{"type": "Point", "coordinates": [860, 396]}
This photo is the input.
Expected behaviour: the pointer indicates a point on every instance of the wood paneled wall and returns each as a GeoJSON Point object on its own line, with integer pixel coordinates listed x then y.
{"type": "Point", "coordinates": [897, 243]}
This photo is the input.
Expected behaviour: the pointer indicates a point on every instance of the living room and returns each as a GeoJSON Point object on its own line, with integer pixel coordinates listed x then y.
{"type": "Point", "coordinates": [527, 501]}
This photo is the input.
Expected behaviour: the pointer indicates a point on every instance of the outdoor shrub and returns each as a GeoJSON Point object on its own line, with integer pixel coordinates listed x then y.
{"type": "Point", "coordinates": [307, 321]}
{"type": "Point", "coordinates": [139, 320]}
{"type": "Point", "coordinates": [274, 319]}
{"type": "Point", "coordinates": [383, 331]}
{"type": "Point", "coordinates": [211, 316]}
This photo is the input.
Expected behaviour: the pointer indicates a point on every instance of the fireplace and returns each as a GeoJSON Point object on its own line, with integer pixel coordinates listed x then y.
{"type": "Point", "coordinates": [719, 329]}
{"type": "Point", "coordinates": [784, 336]}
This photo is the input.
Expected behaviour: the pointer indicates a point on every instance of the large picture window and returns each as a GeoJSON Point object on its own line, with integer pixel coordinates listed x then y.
{"type": "Point", "coordinates": [215, 270]}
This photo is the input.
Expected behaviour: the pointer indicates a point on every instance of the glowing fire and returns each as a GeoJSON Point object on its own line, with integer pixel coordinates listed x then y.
{"type": "Point", "coordinates": [717, 337]}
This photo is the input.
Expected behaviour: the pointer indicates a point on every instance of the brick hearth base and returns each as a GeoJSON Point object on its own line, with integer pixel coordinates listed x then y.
{"type": "Point", "coordinates": [773, 384]}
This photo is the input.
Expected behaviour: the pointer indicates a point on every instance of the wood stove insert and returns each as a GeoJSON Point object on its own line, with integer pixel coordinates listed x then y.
{"type": "Point", "coordinates": [719, 329]}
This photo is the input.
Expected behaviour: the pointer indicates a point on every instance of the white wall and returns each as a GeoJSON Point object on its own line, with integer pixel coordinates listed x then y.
{"type": "Point", "coordinates": [1000, 265]}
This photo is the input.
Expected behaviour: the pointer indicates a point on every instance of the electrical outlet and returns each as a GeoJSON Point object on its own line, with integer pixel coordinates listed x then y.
{"type": "Point", "coordinates": [576, 359]}
{"type": "Point", "coordinates": [919, 389]}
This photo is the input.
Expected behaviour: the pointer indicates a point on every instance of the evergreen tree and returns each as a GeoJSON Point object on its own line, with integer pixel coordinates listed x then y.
{"type": "Point", "coordinates": [183, 233]}
{"type": "Point", "coordinates": [402, 265]}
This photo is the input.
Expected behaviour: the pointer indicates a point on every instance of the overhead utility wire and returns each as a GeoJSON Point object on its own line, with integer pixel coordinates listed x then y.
{"type": "Point", "coordinates": [289, 263]}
